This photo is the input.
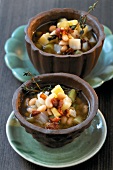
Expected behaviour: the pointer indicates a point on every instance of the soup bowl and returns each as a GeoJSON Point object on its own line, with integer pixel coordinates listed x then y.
{"type": "Point", "coordinates": [56, 137]}
{"type": "Point", "coordinates": [78, 64]}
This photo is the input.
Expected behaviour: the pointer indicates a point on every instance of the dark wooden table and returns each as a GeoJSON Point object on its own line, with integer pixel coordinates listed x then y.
{"type": "Point", "coordinates": [14, 13]}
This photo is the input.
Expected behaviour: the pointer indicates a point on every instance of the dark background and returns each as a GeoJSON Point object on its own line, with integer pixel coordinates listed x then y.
{"type": "Point", "coordinates": [14, 13]}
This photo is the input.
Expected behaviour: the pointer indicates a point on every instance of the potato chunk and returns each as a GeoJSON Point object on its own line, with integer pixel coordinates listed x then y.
{"type": "Point", "coordinates": [43, 40]}
{"type": "Point", "coordinates": [57, 89]}
{"type": "Point", "coordinates": [75, 44]}
{"type": "Point", "coordinates": [63, 24]}
{"type": "Point", "coordinates": [73, 22]}
{"type": "Point", "coordinates": [85, 46]}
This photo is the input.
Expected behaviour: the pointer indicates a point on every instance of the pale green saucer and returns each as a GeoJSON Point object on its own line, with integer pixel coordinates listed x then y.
{"type": "Point", "coordinates": [80, 150]}
{"type": "Point", "coordinates": [17, 60]}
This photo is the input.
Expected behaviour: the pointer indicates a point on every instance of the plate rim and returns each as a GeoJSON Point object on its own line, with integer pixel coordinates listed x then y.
{"type": "Point", "coordinates": [60, 165]}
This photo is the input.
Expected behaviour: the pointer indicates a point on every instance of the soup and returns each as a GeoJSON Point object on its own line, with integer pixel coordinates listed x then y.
{"type": "Point", "coordinates": [64, 37]}
{"type": "Point", "coordinates": [58, 107]}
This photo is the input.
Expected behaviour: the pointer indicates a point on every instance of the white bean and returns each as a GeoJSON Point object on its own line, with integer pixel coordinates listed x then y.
{"type": "Point", "coordinates": [52, 28]}
{"type": "Point", "coordinates": [63, 43]}
{"type": "Point", "coordinates": [70, 121]}
{"type": "Point", "coordinates": [32, 101]}
{"type": "Point", "coordinates": [37, 103]}
{"type": "Point", "coordinates": [63, 119]}
{"type": "Point", "coordinates": [64, 48]}
{"type": "Point", "coordinates": [41, 101]}
{"type": "Point", "coordinates": [33, 106]}
{"type": "Point", "coordinates": [49, 112]}
{"type": "Point", "coordinates": [65, 37]}
{"type": "Point", "coordinates": [85, 109]}
{"type": "Point", "coordinates": [42, 108]}
{"type": "Point", "coordinates": [80, 106]}
{"type": "Point", "coordinates": [66, 103]}
{"type": "Point", "coordinates": [29, 109]}
{"type": "Point", "coordinates": [48, 102]}
{"type": "Point", "coordinates": [78, 100]}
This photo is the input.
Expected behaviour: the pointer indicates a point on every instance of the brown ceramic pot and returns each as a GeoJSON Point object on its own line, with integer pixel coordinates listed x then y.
{"type": "Point", "coordinates": [80, 64]}
{"type": "Point", "coordinates": [61, 137]}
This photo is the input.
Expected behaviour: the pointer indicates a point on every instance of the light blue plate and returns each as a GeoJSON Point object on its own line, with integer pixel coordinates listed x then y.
{"type": "Point", "coordinates": [17, 60]}
{"type": "Point", "coordinates": [81, 149]}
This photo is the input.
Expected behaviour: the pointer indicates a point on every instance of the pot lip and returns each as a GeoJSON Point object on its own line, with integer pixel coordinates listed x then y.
{"type": "Point", "coordinates": [81, 126]}
{"type": "Point", "coordinates": [44, 13]}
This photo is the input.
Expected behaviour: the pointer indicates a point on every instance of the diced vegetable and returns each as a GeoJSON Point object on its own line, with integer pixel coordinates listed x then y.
{"type": "Point", "coordinates": [49, 48]}
{"type": "Point", "coordinates": [75, 44]}
{"type": "Point", "coordinates": [57, 89]}
{"type": "Point", "coordinates": [78, 52]}
{"type": "Point", "coordinates": [62, 19]}
{"type": "Point", "coordinates": [30, 119]}
{"type": "Point", "coordinates": [78, 119]}
{"type": "Point", "coordinates": [92, 41]}
{"type": "Point", "coordinates": [72, 95]}
{"type": "Point", "coordinates": [63, 24]}
{"type": "Point", "coordinates": [42, 118]}
{"type": "Point", "coordinates": [39, 46]}
{"type": "Point", "coordinates": [85, 46]}
{"type": "Point", "coordinates": [43, 40]}
{"type": "Point", "coordinates": [72, 112]}
{"type": "Point", "coordinates": [57, 48]}
{"type": "Point", "coordinates": [73, 22]}
{"type": "Point", "coordinates": [55, 112]}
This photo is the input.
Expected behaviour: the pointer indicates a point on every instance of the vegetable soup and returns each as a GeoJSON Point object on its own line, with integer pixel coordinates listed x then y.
{"type": "Point", "coordinates": [58, 107]}
{"type": "Point", "coordinates": [64, 37]}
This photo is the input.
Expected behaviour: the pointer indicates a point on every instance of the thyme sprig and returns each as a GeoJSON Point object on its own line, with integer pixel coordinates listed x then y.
{"type": "Point", "coordinates": [31, 89]}
{"type": "Point", "coordinates": [83, 19]}
{"type": "Point", "coordinates": [27, 90]}
{"type": "Point", "coordinates": [32, 78]}
{"type": "Point", "coordinates": [36, 88]}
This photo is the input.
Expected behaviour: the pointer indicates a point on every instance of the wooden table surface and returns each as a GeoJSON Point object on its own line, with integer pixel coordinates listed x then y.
{"type": "Point", "coordinates": [14, 13]}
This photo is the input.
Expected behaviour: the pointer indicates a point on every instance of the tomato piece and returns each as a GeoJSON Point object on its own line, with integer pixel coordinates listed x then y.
{"type": "Point", "coordinates": [35, 112]}
{"type": "Point", "coordinates": [43, 96]}
{"type": "Point", "coordinates": [55, 119]}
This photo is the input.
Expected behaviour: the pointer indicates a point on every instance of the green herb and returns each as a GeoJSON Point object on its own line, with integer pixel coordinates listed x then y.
{"type": "Point", "coordinates": [47, 88]}
{"type": "Point", "coordinates": [73, 27]}
{"type": "Point", "coordinates": [32, 78]}
{"type": "Point", "coordinates": [82, 20]}
{"type": "Point", "coordinates": [27, 90]}
{"type": "Point", "coordinates": [31, 89]}
{"type": "Point", "coordinates": [36, 88]}
{"type": "Point", "coordinates": [52, 37]}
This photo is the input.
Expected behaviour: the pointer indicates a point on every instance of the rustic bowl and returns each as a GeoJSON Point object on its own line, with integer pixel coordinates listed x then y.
{"type": "Point", "coordinates": [79, 64]}
{"type": "Point", "coordinates": [61, 137]}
